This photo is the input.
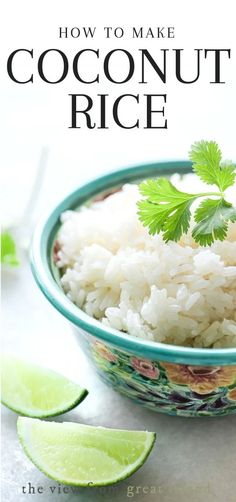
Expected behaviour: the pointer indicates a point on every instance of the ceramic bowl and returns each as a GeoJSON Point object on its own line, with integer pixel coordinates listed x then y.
{"type": "Point", "coordinates": [165, 378]}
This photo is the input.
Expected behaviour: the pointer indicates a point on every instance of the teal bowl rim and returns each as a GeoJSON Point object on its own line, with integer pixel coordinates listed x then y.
{"type": "Point", "coordinates": [41, 247]}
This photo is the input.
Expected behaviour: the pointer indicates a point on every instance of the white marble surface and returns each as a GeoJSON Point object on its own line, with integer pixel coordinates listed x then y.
{"type": "Point", "coordinates": [193, 459]}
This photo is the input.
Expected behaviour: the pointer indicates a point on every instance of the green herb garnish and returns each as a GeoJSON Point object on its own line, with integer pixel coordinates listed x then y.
{"type": "Point", "coordinates": [8, 250]}
{"type": "Point", "coordinates": [165, 209]}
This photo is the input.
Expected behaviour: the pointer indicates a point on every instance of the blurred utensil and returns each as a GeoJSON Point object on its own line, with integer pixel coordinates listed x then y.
{"type": "Point", "coordinates": [22, 229]}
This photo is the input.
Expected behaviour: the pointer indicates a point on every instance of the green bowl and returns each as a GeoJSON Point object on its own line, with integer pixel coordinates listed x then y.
{"type": "Point", "coordinates": [165, 378]}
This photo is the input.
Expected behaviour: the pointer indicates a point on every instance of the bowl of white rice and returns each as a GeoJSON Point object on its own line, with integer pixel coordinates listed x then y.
{"type": "Point", "coordinates": [158, 319]}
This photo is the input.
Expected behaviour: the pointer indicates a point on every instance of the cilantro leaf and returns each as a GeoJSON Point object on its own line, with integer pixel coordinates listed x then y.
{"type": "Point", "coordinates": [8, 250]}
{"type": "Point", "coordinates": [227, 175]}
{"type": "Point", "coordinates": [212, 217]}
{"type": "Point", "coordinates": [162, 190]}
{"type": "Point", "coordinates": [153, 215]}
{"type": "Point", "coordinates": [178, 222]}
{"type": "Point", "coordinates": [206, 157]}
{"type": "Point", "coordinates": [166, 208]}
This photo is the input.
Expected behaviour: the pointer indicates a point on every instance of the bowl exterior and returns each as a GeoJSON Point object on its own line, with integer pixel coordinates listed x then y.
{"type": "Point", "coordinates": [162, 386]}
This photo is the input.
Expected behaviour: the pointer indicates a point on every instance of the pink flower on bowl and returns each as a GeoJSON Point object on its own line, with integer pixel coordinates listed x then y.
{"type": "Point", "coordinates": [145, 368]}
{"type": "Point", "coordinates": [104, 352]}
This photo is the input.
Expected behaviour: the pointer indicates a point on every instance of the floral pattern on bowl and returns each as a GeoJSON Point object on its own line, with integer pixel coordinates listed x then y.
{"type": "Point", "coordinates": [176, 389]}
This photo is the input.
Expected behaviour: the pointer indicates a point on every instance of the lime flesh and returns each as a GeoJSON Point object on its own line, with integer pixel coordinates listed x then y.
{"type": "Point", "coordinates": [36, 392]}
{"type": "Point", "coordinates": [83, 455]}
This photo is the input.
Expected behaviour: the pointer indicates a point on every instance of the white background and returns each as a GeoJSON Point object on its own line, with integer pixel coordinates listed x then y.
{"type": "Point", "coordinates": [194, 459]}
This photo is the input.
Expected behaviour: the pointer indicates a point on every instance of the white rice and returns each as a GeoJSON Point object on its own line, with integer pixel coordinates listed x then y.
{"type": "Point", "coordinates": [177, 293]}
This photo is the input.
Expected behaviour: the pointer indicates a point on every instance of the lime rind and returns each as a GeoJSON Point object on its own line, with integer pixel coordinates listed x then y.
{"type": "Point", "coordinates": [54, 412]}
{"type": "Point", "coordinates": [37, 392]}
{"type": "Point", "coordinates": [32, 445]}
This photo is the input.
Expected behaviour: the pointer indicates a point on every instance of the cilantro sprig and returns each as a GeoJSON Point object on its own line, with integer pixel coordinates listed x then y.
{"type": "Point", "coordinates": [168, 210]}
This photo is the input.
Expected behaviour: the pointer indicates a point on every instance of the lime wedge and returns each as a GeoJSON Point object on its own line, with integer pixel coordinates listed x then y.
{"type": "Point", "coordinates": [83, 455]}
{"type": "Point", "coordinates": [36, 392]}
